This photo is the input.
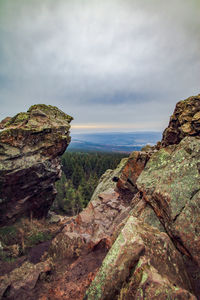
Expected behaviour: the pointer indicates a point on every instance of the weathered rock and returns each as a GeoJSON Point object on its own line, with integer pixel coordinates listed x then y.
{"type": "Point", "coordinates": [95, 224]}
{"type": "Point", "coordinates": [185, 121]}
{"type": "Point", "coordinates": [72, 277]}
{"type": "Point", "coordinates": [170, 183]}
{"type": "Point", "coordinates": [145, 213]}
{"type": "Point", "coordinates": [160, 269]}
{"type": "Point", "coordinates": [142, 261]}
{"type": "Point", "coordinates": [110, 206]}
{"type": "Point", "coordinates": [22, 280]}
{"type": "Point", "coordinates": [4, 121]}
{"type": "Point", "coordinates": [148, 283]}
{"type": "Point", "coordinates": [30, 146]}
{"type": "Point", "coordinates": [109, 178]}
{"type": "Point", "coordinates": [132, 169]}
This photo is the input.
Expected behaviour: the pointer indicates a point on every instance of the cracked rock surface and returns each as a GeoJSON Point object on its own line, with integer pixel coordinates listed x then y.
{"type": "Point", "coordinates": [30, 146]}
{"type": "Point", "coordinates": [170, 183]}
{"type": "Point", "coordinates": [185, 121]}
{"type": "Point", "coordinates": [142, 262]}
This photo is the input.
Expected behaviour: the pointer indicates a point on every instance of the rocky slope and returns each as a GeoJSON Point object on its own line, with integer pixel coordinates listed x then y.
{"type": "Point", "coordinates": [30, 146]}
{"type": "Point", "coordinates": [139, 237]}
{"type": "Point", "coordinates": [145, 214]}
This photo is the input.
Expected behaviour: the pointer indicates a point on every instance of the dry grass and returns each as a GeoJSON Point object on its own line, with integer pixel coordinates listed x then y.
{"type": "Point", "coordinates": [17, 239]}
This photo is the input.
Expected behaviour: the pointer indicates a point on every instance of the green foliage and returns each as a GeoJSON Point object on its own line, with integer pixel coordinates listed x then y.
{"type": "Point", "coordinates": [38, 237]}
{"type": "Point", "coordinates": [8, 235]}
{"type": "Point", "coordinates": [81, 173]}
{"type": "Point", "coordinates": [4, 257]}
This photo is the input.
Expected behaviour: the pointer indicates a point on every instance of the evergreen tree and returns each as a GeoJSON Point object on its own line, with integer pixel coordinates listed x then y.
{"type": "Point", "coordinates": [77, 175]}
{"type": "Point", "coordinates": [81, 172]}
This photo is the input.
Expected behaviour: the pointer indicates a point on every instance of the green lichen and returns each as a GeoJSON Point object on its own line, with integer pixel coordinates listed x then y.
{"type": "Point", "coordinates": [144, 277]}
{"type": "Point", "coordinates": [177, 174]}
{"type": "Point", "coordinates": [16, 120]}
{"type": "Point", "coordinates": [51, 110]}
{"type": "Point", "coordinates": [116, 265]}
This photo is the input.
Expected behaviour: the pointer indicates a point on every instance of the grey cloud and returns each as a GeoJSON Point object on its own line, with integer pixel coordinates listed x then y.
{"type": "Point", "coordinates": [100, 61]}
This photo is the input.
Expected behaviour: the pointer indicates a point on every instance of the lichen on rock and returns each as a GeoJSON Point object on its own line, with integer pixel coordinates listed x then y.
{"type": "Point", "coordinates": [142, 259]}
{"type": "Point", "coordinates": [184, 121]}
{"type": "Point", "coordinates": [30, 146]}
{"type": "Point", "coordinates": [170, 182]}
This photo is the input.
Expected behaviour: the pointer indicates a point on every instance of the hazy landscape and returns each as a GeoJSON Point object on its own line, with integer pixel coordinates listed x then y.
{"type": "Point", "coordinates": [113, 141]}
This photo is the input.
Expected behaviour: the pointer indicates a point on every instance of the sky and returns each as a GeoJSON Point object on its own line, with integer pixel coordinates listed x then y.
{"type": "Point", "coordinates": [114, 65]}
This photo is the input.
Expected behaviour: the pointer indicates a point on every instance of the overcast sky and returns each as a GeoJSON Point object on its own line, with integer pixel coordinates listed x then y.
{"type": "Point", "coordinates": [114, 65]}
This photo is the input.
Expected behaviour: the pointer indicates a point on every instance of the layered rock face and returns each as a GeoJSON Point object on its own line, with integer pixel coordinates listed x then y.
{"type": "Point", "coordinates": [30, 146]}
{"type": "Point", "coordinates": [185, 121]}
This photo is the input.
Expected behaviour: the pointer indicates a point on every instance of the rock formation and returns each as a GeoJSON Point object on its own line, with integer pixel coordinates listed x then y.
{"type": "Point", "coordinates": [185, 121]}
{"type": "Point", "coordinates": [139, 237]}
{"type": "Point", "coordinates": [3, 122]}
{"type": "Point", "coordinates": [167, 199]}
{"type": "Point", "coordinates": [143, 263]}
{"type": "Point", "coordinates": [30, 146]}
{"type": "Point", "coordinates": [170, 184]}
{"type": "Point", "coordinates": [106, 213]}
{"type": "Point", "coordinates": [22, 280]}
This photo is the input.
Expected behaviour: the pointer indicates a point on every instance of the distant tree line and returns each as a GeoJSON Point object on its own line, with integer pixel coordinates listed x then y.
{"type": "Point", "coordinates": [80, 176]}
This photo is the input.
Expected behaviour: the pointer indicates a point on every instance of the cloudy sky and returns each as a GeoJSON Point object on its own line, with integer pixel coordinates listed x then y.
{"type": "Point", "coordinates": [114, 65]}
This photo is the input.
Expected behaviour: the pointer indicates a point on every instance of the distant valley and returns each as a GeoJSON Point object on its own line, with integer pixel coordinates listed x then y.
{"type": "Point", "coordinates": [113, 142]}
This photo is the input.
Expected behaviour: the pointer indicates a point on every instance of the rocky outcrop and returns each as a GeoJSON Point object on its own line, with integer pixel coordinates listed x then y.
{"type": "Point", "coordinates": [93, 232]}
{"type": "Point", "coordinates": [170, 183]}
{"type": "Point", "coordinates": [96, 224]}
{"type": "Point", "coordinates": [21, 281]}
{"type": "Point", "coordinates": [107, 212]}
{"type": "Point", "coordinates": [156, 255]}
{"type": "Point", "coordinates": [142, 264]}
{"type": "Point", "coordinates": [139, 237]}
{"type": "Point", "coordinates": [108, 179]}
{"type": "Point", "coordinates": [3, 122]}
{"type": "Point", "coordinates": [185, 121]}
{"type": "Point", "coordinates": [30, 146]}
{"type": "Point", "coordinates": [133, 168]}
{"type": "Point", "coordinates": [157, 252]}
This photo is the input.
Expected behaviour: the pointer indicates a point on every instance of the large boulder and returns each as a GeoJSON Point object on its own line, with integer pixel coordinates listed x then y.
{"type": "Point", "coordinates": [30, 146]}
{"type": "Point", "coordinates": [143, 263]}
{"type": "Point", "coordinates": [21, 281]}
{"type": "Point", "coordinates": [184, 121]}
{"type": "Point", "coordinates": [132, 169]}
{"type": "Point", "coordinates": [170, 183]}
